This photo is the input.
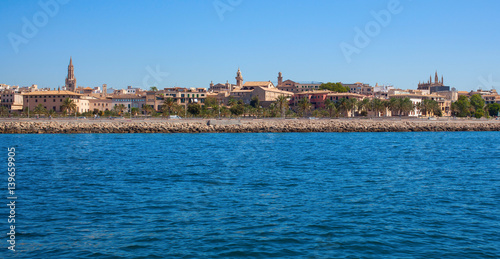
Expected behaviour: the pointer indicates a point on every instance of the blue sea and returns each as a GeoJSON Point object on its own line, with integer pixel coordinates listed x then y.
{"type": "Point", "coordinates": [292, 195]}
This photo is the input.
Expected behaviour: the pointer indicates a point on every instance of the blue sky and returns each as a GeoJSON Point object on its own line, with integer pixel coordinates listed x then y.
{"type": "Point", "coordinates": [119, 42]}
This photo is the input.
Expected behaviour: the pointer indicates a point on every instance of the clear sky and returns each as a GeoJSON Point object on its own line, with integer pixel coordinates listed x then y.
{"type": "Point", "coordinates": [123, 42]}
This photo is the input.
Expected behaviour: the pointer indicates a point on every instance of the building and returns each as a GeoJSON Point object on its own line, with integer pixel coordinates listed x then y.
{"type": "Point", "coordinates": [492, 97]}
{"type": "Point", "coordinates": [360, 88]}
{"type": "Point", "coordinates": [70, 79]}
{"type": "Point", "coordinates": [265, 91]}
{"type": "Point", "coordinates": [221, 87]}
{"type": "Point", "coordinates": [381, 91]}
{"type": "Point", "coordinates": [180, 95]}
{"type": "Point", "coordinates": [100, 104]}
{"type": "Point", "coordinates": [318, 98]}
{"type": "Point", "coordinates": [296, 87]}
{"type": "Point", "coordinates": [129, 101]}
{"type": "Point", "coordinates": [12, 100]}
{"type": "Point", "coordinates": [436, 86]}
{"type": "Point", "coordinates": [53, 100]}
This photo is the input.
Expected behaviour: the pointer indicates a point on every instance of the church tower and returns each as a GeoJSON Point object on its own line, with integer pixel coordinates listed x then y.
{"type": "Point", "coordinates": [239, 78]}
{"type": "Point", "coordinates": [280, 79]}
{"type": "Point", "coordinates": [436, 78]}
{"type": "Point", "coordinates": [70, 79]}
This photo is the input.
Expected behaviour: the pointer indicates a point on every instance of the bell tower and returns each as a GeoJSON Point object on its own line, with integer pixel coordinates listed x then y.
{"type": "Point", "coordinates": [70, 79]}
{"type": "Point", "coordinates": [239, 78]}
{"type": "Point", "coordinates": [280, 79]}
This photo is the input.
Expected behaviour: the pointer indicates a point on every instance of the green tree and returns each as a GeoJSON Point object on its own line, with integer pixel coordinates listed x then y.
{"type": "Point", "coordinates": [134, 111]}
{"type": "Point", "coordinates": [428, 107]}
{"type": "Point", "coordinates": [119, 109]}
{"type": "Point", "coordinates": [211, 102]}
{"type": "Point", "coordinates": [378, 106]}
{"type": "Point", "coordinates": [232, 101]}
{"type": "Point", "coordinates": [394, 105]}
{"type": "Point", "coordinates": [477, 102]}
{"type": "Point", "coordinates": [304, 106]}
{"type": "Point", "coordinates": [462, 107]}
{"type": "Point", "coordinates": [168, 105]}
{"type": "Point", "coordinates": [331, 108]}
{"type": "Point", "coordinates": [194, 109]}
{"type": "Point", "coordinates": [479, 113]}
{"type": "Point", "coordinates": [493, 109]}
{"type": "Point", "coordinates": [254, 102]}
{"type": "Point", "coordinates": [147, 109]}
{"type": "Point", "coordinates": [153, 88]}
{"type": "Point", "coordinates": [347, 105]}
{"type": "Point", "coordinates": [282, 104]}
{"type": "Point", "coordinates": [51, 112]}
{"type": "Point", "coordinates": [406, 105]}
{"type": "Point", "coordinates": [237, 109]}
{"type": "Point", "coordinates": [68, 105]}
{"type": "Point", "coordinates": [335, 87]}
{"type": "Point", "coordinates": [4, 111]}
{"type": "Point", "coordinates": [364, 105]}
{"type": "Point", "coordinates": [39, 109]}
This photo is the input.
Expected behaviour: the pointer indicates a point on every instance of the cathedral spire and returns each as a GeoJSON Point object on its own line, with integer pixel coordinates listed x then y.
{"type": "Point", "coordinates": [436, 78]}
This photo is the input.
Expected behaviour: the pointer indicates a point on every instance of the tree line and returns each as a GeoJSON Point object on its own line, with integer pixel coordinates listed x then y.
{"type": "Point", "coordinates": [465, 106]}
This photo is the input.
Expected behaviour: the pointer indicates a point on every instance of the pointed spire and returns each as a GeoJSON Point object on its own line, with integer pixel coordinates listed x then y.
{"type": "Point", "coordinates": [70, 61]}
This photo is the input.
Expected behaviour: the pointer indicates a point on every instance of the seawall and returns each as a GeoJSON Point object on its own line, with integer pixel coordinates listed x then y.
{"type": "Point", "coordinates": [242, 126]}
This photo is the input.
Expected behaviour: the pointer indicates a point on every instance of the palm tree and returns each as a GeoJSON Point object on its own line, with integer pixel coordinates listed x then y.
{"type": "Point", "coordinates": [331, 107]}
{"type": "Point", "coordinates": [304, 106]}
{"type": "Point", "coordinates": [232, 101]}
{"type": "Point", "coordinates": [377, 106]}
{"type": "Point", "coordinates": [39, 109]}
{"type": "Point", "coordinates": [4, 110]}
{"type": "Point", "coordinates": [168, 105]}
{"type": "Point", "coordinates": [428, 106]}
{"type": "Point", "coordinates": [147, 109]}
{"type": "Point", "coordinates": [153, 88]}
{"type": "Point", "coordinates": [68, 105]}
{"type": "Point", "coordinates": [282, 104]}
{"type": "Point", "coordinates": [406, 105]}
{"type": "Point", "coordinates": [343, 106]}
{"type": "Point", "coordinates": [51, 112]}
{"type": "Point", "coordinates": [119, 108]}
{"type": "Point", "coordinates": [394, 105]}
{"type": "Point", "coordinates": [134, 111]}
{"type": "Point", "coordinates": [364, 105]}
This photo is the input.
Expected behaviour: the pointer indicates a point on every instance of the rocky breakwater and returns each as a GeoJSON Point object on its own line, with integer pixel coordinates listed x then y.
{"type": "Point", "coordinates": [43, 127]}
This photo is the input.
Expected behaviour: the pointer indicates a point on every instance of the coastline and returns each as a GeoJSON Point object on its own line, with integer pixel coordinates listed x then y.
{"type": "Point", "coordinates": [65, 126]}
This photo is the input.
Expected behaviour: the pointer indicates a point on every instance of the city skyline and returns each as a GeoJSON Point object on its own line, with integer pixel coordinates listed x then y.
{"type": "Point", "coordinates": [191, 44]}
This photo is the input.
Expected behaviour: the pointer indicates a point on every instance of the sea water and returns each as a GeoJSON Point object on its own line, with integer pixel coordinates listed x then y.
{"type": "Point", "coordinates": [292, 195]}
